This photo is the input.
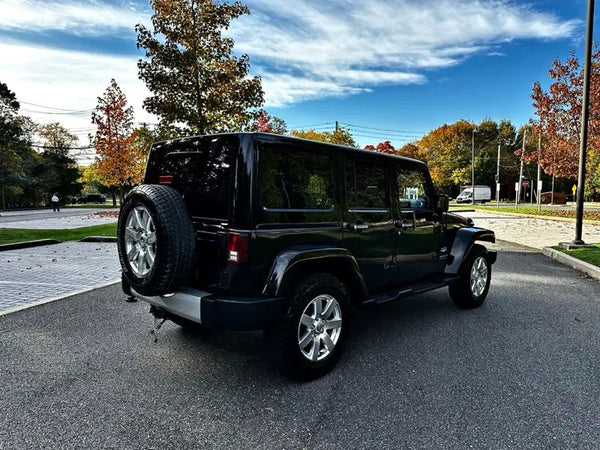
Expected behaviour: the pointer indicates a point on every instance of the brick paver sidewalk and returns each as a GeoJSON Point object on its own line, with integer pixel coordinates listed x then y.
{"type": "Point", "coordinates": [35, 275]}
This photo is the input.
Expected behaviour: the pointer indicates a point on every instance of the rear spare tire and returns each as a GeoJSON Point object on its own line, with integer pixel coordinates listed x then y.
{"type": "Point", "coordinates": [155, 239]}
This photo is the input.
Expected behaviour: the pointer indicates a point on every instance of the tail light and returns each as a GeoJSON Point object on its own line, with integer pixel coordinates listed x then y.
{"type": "Point", "coordinates": [237, 247]}
{"type": "Point", "coordinates": [165, 179]}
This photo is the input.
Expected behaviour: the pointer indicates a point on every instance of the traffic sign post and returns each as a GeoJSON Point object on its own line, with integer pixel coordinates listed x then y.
{"type": "Point", "coordinates": [539, 196]}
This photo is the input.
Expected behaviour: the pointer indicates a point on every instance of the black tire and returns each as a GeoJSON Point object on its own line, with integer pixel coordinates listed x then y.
{"type": "Point", "coordinates": [304, 363]}
{"type": "Point", "coordinates": [475, 276]}
{"type": "Point", "coordinates": [164, 243]}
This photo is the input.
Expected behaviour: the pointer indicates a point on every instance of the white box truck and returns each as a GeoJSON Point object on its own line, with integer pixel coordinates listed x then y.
{"type": "Point", "coordinates": [482, 194]}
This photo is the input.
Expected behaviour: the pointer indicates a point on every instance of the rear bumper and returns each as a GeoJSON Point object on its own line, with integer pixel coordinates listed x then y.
{"type": "Point", "coordinates": [220, 311]}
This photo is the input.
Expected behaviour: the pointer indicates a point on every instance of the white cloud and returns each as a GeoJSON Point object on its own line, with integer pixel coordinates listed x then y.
{"type": "Point", "coordinates": [303, 49]}
{"type": "Point", "coordinates": [70, 80]}
{"type": "Point", "coordinates": [341, 47]}
{"type": "Point", "coordinates": [77, 17]}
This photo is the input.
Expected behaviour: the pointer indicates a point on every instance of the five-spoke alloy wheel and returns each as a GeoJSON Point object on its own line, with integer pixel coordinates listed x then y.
{"type": "Point", "coordinates": [140, 241]}
{"type": "Point", "coordinates": [320, 327]}
{"type": "Point", "coordinates": [475, 275]}
{"type": "Point", "coordinates": [310, 339]}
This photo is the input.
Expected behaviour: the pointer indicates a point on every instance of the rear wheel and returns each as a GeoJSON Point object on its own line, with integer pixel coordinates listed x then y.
{"type": "Point", "coordinates": [475, 276]}
{"type": "Point", "coordinates": [310, 339]}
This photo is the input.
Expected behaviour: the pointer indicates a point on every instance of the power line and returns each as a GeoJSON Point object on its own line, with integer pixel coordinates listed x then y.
{"type": "Point", "coordinates": [384, 138]}
{"type": "Point", "coordinates": [30, 111]}
{"type": "Point", "coordinates": [52, 147]}
{"type": "Point", "coordinates": [383, 129]}
{"type": "Point", "coordinates": [57, 109]}
{"type": "Point", "coordinates": [308, 126]}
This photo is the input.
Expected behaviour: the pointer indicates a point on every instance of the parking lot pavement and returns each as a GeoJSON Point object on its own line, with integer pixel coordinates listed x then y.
{"type": "Point", "coordinates": [521, 372]}
{"type": "Point", "coordinates": [38, 275]}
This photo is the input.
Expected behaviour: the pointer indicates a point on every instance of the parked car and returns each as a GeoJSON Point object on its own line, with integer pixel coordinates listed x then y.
{"type": "Point", "coordinates": [482, 194]}
{"type": "Point", "coordinates": [255, 231]}
{"type": "Point", "coordinates": [92, 198]}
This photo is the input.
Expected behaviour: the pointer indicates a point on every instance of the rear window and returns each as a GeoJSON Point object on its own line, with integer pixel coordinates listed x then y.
{"type": "Point", "coordinates": [202, 171]}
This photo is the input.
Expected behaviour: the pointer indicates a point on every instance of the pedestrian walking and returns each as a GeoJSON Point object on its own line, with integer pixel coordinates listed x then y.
{"type": "Point", "coordinates": [55, 203]}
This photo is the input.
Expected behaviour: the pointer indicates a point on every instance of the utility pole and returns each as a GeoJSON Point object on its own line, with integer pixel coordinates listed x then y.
{"type": "Point", "coordinates": [498, 178]}
{"type": "Point", "coordinates": [521, 170]}
{"type": "Point", "coordinates": [584, 122]}
{"type": "Point", "coordinates": [539, 187]}
{"type": "Point", "coordinates": [473, 166]}
{"type": "Point", "coordinates": [337, 126]}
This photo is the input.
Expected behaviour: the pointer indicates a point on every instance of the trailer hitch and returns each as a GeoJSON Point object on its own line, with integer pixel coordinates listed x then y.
{"type": "Point", "coordinates": [160, 317]}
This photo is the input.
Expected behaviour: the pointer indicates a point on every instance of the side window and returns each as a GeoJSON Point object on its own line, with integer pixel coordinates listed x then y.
{"type": "Point", "coordinates": [295, 180]}
{"type": "Point", "coordinates": [365, 186]}
{"type": "Point", "coordinates": [413, 191]}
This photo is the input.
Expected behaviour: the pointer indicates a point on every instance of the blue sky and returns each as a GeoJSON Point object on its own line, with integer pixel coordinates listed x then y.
{"type": "Point", "coordinates": [406, 66]}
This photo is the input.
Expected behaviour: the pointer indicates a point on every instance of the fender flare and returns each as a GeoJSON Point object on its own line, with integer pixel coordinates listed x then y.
{"type": "Point", "coordinates": [290, 262]}
{"type": "Point", "coordinates": [463, 241]}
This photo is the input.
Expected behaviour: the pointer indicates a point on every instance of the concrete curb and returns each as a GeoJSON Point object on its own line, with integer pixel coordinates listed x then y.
{"type": "Point", "coordinates": [59, 297]}
{"type": "Point", "coordinates": [99, 239]}
{"type": "Point", "coordinates": [39, 243]}
{"type": "Point", "coordinates": [27, 244]}
{"type": "Point", "coordinates": [577, 264]}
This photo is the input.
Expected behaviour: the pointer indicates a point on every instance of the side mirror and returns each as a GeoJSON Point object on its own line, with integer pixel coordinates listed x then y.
{"type": "Point", "coordinates": [443, 203]}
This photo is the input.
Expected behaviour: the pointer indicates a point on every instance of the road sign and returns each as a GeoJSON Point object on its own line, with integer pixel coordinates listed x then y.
{"type": "Point", "coordinates": [574, 189]}
{"type": "Point", "coordinates": [525, 183]}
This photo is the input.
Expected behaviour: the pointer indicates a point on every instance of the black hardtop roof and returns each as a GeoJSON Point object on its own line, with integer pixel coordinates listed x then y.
{"type": "Point", "coordinates": [271, 137]}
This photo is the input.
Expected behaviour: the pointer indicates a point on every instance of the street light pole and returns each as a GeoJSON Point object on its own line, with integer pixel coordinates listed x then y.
{"type": "Point", "coordinates": [584, 122]}
{"type": "Point", "coordinates": [473, 166]}
{"type": "Point", "coordinates": [521, 170]}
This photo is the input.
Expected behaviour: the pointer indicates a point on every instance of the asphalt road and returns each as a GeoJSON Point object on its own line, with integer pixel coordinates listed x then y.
{"type": "Point", "coordinates": [520, 372]}
{"type": "Point", "coordinates": [42, 214]}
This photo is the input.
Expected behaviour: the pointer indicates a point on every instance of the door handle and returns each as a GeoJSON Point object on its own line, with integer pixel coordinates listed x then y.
{"type": "Point", "coordinates": [405, 224]}
{"type": "Point", "coordinates": [358, 226]}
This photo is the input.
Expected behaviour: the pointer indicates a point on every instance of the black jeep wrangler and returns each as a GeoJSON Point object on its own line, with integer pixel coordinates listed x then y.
{"type": "Point", "coordinates": [253, 231]}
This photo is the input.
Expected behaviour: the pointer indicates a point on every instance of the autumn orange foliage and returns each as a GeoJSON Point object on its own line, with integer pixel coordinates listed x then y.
{"type": "Point", "coordinates": [120, 162]}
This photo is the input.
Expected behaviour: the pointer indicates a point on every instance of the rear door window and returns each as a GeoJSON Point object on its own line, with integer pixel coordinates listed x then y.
{"type": "Point", "coordinates": [292, 180]}
{"type": "Point", "coordinates": [365, 186]}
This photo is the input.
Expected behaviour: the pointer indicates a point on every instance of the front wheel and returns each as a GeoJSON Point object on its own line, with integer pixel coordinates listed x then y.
{"type": "Point", "coordinates": [474, 280]}
{"type": "Point", "coordinates": [310, 339]}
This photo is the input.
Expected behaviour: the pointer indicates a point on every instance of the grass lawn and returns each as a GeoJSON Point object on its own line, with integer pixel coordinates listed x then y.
{"type": "Point", "coordinates": [591, 255]}
{"type": "Point", "coordinates": [10, 235]}
{"type": "Point", "coordinates": [546, 212]}
{"type": "Point", "coordinates": [91, 205]}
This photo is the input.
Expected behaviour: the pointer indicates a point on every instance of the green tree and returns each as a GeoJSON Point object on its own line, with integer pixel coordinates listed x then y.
{"type": "Point", "coordinates": [17, 158]}
{"type": "Point", "coordinates": [90, 178]}
{"type": "Point", "coordinates": [340, 136]}
{"type": "Point", "coordinates": [57, 171]}
{"type": "Point", "coordinates": [448, 152]}
{"type": "Point", "coordinates": [190, 70]}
